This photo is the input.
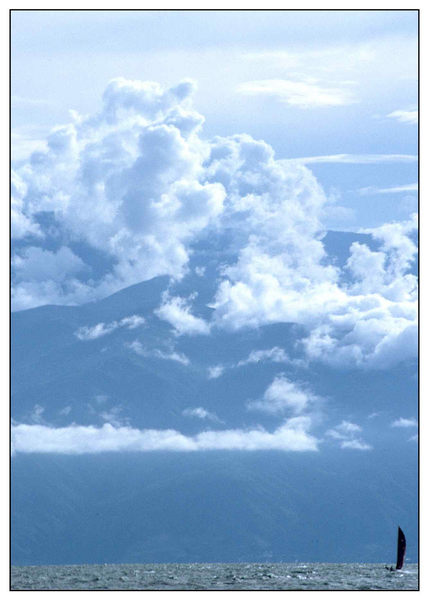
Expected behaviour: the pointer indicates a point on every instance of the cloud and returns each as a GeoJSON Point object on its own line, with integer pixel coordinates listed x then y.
{"type": "Point", "coordinates": [282, 276]}
{"type": "Point", "coordinates": [138, 348]}
{"type": "Point", "coordinates": [346, 433]}
{"type": "Point", "coordinates": [302, 93]}
{"type": "Point", "coordinates": [399, 189]}
{"type": "Point", "coordinates": [284, 396]}
{"type": "Point", "coordinates": [36, 264]}
{"type": "Point", "coordinates": [37, 414]}
{"type": "Point", "coordinates": [113, 416]}
{"type": "Point", "coordinates": [86, 333]}
{"type": "Point", "coordinates": [402, 422]}
{"type": "Point", "coordinates": [137, 185]}
{"type": "Point", "coordinates": [215, 371]}
{"type": "Point", "coordinates": [355, 445]}
{"type": "Point", "coordinates": [126, 181]}
{"type": "Point", "coordinates": [405, 116]}
{"type": "Point", "coordinates": [276, 355]}
{"type": "Point", "coordinates": [356, 159]}
{"type": "Point", "coordinates": [176, 311]}
{"type": "Point", "coordinates": [201, 413]}
{"type": "Point", "coordinates": [78, 439]}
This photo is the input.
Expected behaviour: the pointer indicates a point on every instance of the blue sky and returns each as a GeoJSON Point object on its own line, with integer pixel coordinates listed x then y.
{"type": "Point", "coordinates": [275, 126]}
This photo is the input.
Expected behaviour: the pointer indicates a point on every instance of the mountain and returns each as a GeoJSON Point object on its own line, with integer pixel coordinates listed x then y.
{"type": "Point", "coordinates": [117, 362]}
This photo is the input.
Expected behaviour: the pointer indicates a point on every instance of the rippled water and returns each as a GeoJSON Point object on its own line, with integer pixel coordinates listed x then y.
{"type": "Point", "coordinates": [241, 576]}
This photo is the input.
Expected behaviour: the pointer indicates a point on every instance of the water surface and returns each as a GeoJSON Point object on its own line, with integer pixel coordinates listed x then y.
{"type": "Point", "coordinates": [239, 576]}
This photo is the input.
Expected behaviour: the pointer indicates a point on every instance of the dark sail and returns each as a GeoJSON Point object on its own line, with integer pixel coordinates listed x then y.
{"type": "Point", "coordinates": [401, 548]}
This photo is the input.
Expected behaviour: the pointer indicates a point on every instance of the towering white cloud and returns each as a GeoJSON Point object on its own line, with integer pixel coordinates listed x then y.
{"type": "Point", "coordinates": [135, 185]}
{"type": "Point", "coordinates": [369, 322]}
{"type": "Point", "coordinates": [128, 181]}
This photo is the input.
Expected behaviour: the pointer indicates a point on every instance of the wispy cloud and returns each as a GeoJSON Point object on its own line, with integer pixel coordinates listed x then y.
{"type": "Point", "coordinates": [201, 413]}
{"type": "Point", "coordinates": [355, 445]}
{"type": "Point", "coordinates": [405, 116]}
{"type": "Point", "coordinates": [398, 189]}
{"type": "Point", "coordinates": [215, 371]}
{"type": "Point", "coordinates": [357, 159]}
{"type": "Point", "coordinates": [308, 93]}
{"type": "Point", "coordinates": [347, 434]}
{"type": "Point", "coordinates": [23, 101]}
{"type": "Point", "coordinates": [402, 422]}
{"type": "Point", "coordinates": [138, 348]}
{"type": "Point", "coordinates": [176, 311]}
{"type": "Point", "coordinates": [275, 354]}
{"type": "Point", "coordinates": [77, 439]}
{"type": "Point", "coordinates": [86, 333]}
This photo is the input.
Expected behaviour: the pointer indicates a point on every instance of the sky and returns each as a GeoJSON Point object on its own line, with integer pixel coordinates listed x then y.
{"type": "Point", "coordinates": [311, 84]}
{"type": "Point", "coordinates": [138, 135]}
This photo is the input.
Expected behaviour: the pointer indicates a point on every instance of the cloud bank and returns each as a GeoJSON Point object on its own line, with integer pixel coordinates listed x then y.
{"type": "Point", "coordinates": [76, 439]}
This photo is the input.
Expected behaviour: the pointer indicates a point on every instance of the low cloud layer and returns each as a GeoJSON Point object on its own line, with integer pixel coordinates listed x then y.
{"type": "Point", "coordinates": [291, 436]}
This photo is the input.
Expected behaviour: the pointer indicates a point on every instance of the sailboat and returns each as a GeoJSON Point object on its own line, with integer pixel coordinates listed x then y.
{"type": "Point", "coordinates": [401, 551]}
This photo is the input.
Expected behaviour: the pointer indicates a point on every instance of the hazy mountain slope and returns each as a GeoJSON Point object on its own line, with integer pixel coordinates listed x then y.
{"type": "Point", "coordinates": [208, 505]}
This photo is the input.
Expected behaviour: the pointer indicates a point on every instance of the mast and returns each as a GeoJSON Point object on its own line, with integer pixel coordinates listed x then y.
{"type": "Point", "coordinates": [401, 549]}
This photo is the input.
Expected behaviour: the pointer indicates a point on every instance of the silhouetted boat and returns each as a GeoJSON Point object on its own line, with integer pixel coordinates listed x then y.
{"type": "Point", "coordinates": [401, 549]}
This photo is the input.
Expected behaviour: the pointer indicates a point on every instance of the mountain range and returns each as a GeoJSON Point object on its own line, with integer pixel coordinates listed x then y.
{"type": "Point", "coordinates": [206, 479]}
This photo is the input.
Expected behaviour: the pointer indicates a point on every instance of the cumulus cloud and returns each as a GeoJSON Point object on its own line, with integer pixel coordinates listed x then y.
{"type": "Point", "coordinates": [302, 93]}
{"type": "Point", "coordinates": [283, 277]}
{"type": "Point", "coordinates": [176, 311]}
{"type": "Point", "coordinates": [128, 181]}
{"type": "Point", "coordinates": [347, 434]}
{"type": "Point", "coordinates": [284, 396]}
{"type": "Point", "coordinates": [86, 333]}
{"type": "Point", "coordinates": [77, 439]}
{"type": "Point", "coordinates": [138, 185]}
